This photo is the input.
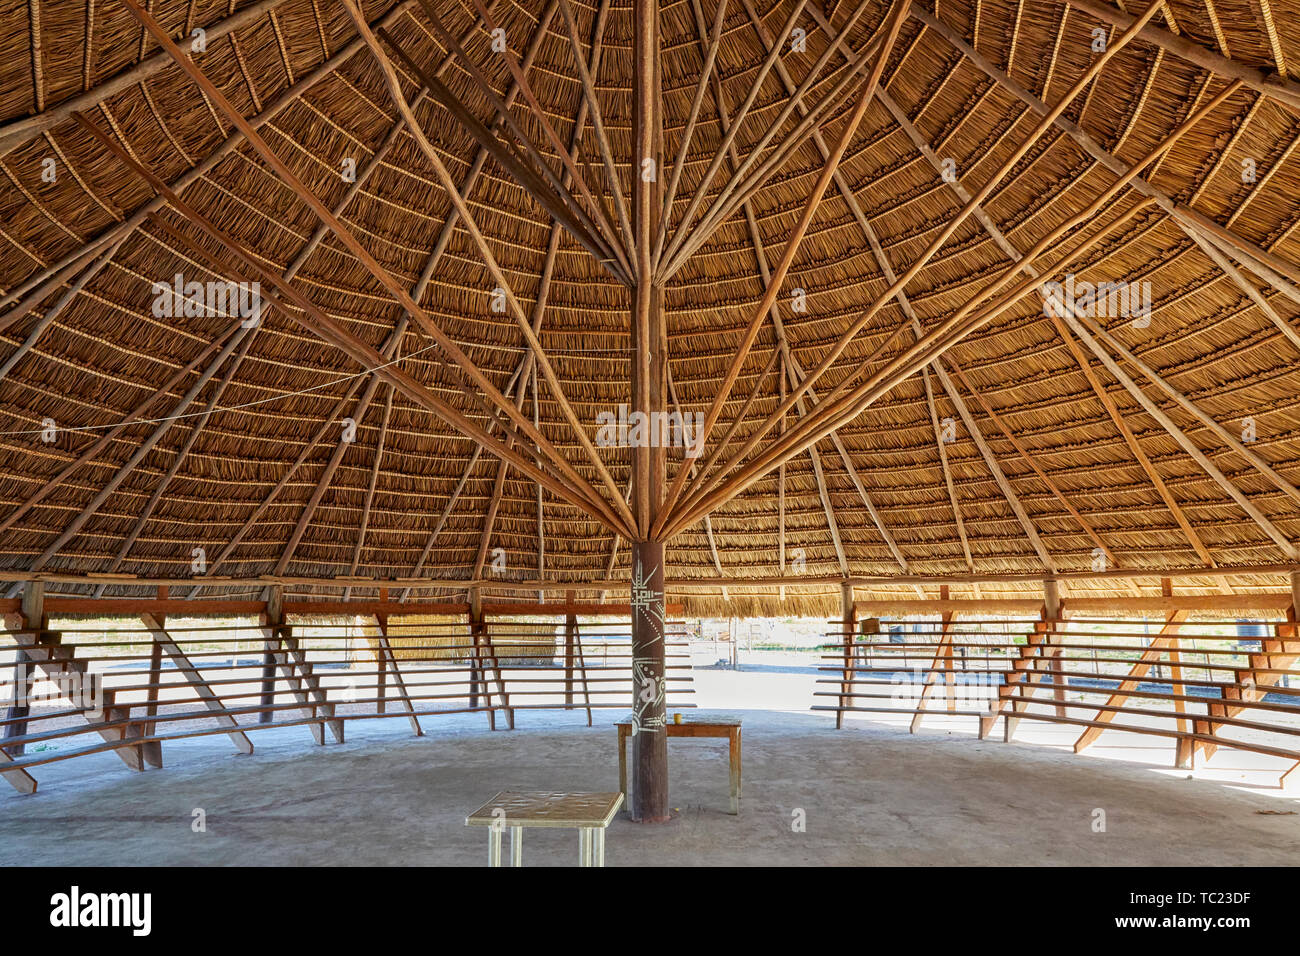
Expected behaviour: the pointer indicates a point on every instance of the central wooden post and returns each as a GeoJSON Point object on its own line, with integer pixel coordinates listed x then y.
{"type": "Point", "coordinates": [649, 382]}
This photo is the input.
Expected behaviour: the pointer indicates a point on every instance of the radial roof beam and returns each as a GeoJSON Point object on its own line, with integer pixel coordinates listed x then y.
{"type": "Point", "coordinates": [1015, 255]}
{"type": "Point", "coordinates": [486, 393]}
{"type": "Point", "coordinates": [133, 417]}
{"type": "Point", "coordinates": [52, 313]}
{"type": "Point", "coordinates": [948, 332]}
{"type": "Point", "coordinates": [467, 220]}
{"type": "Point", "coordinates": [71, 529]}
{"type": "Point", "coordinates": [526, 365]}
{"type": "Point", "coordinates": [697, 101]}
{"type": "Point", "coordinates": [738, 185]}
{"type": "Point", "coordinates": [787, 256]}
{"type": "Point", "coordinates": [708, 522]}
{"type": "Point", "coordinates": [387, 351]}
{"type": "Point", "coordinates": [16, 132]}
{"type": "Point", "coordinates": [702, 486]}
{"type": "Point", "coordinates": [178, 459]}
{"type": "Point", "coordinates": [683, 229]}
{"type": "Point", "coordinates": [1111, 163]}
{"type": "Point", "coordinates": [35, 289]}
{"type": "Point", "coordinates": [555, 198]}
{"type": "Point", "coordinates": [1285, 544]}
{"type": "Point", "coordinates": [327, 329]}
{"type": "Point", "coordinates": [791, 366]}
{"type": "Point", "coordinates": [539, 113]}
{"type": "Point", "coordinates": [1278, 88]}
{"type": "Point", "coordinates": [882, 261]}
{"type": "Point", "coordinates": [833, 412]}
{"type": "Point", "coordinates": [1195, 225]}
{"type": "Point", "coordinates": [421, 284]}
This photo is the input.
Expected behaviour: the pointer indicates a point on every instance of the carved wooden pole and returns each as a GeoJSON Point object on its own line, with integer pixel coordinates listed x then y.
{"type": "Point", "coordinates": [649, 381]}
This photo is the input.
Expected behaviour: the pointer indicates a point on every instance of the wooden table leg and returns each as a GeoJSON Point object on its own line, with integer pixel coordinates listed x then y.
{"type": "Point", "coordinates": [622, 762]}
{"type": "Point", "coordinates": [583, 853]}
{"type": "Point", "coordinates": [516, 846]}
{"type": "Point", "coordinates": [600, 846]}
{"type": "Point", "coordinates": [735, 771]}
{"type": "Point", "coordinates": [494, 846]}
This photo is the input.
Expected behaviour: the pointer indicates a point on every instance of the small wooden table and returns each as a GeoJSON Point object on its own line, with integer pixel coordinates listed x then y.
{"type": "Point", "coordinates": [692, 725]}
{"type": "Point", "coordinates": [588, 813]}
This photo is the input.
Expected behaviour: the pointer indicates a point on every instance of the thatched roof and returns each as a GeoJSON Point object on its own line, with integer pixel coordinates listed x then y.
{"type": "Point", "coordinates": [1221, 333]}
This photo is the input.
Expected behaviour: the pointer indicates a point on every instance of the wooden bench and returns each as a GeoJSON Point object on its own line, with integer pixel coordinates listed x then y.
{"type": "Point", "coordinates": [588, 813]}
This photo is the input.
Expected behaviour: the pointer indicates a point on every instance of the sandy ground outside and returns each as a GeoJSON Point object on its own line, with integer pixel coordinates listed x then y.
{"type": "Point", "coordinates": [870, 794]}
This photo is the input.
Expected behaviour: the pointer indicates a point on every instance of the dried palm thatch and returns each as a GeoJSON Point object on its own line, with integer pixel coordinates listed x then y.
{"type": "Point", "coordinates": [1033, 444]}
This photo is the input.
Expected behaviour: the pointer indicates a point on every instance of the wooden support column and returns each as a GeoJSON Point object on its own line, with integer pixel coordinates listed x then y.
{"type": "Point", "coordinates": [476, 681]}
{"type": "Point", "coordinates": [648, 796]}
{"type": "Point", "coordinates": [570, 637]}
{"type": "Point", "coordinates": [32, 617]}
{"type": "Point", "coordinates": [388, 662]}
{"type": "Point", "coordinates": [273, 619]}
{"type": "Point", "coordinates": [1052, 613]}
{"type": "Point", "coordinates": [649, 790]}
{"type": "Point", "coordinates": [847, 623]}
{"type": "Point", "coordinates": [151, 752]}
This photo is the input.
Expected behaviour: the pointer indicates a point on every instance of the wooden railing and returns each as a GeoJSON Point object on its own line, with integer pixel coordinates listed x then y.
{"type": "Point", "coordinates": [130, 691]}
{"type": "Point", "coordinates": [1176, 678]}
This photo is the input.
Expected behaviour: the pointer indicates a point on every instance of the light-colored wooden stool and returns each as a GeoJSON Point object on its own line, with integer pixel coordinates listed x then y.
{"type": "Point", "coordinates": [588, 813]}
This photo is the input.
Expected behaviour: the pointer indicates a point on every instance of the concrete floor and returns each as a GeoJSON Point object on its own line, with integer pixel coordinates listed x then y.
{"type": "Point", "coordinates": [871, 795]}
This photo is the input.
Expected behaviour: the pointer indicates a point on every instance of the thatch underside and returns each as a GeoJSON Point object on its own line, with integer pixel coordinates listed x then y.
{"type": "Point", "coordinates": [256, 483]}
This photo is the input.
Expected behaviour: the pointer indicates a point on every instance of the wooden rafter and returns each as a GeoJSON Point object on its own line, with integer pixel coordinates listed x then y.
{"type": "Point", "coordinates": [832, 414]}
{"type": "Point", "coordinates": [311, 317]}
{"type": "Point", "coordinates": [682, 231]}
{"type": "Point", "coordinates": [787, 255]}
{"type": "Point", "coordinates": [833, 353]}
{"type": "Point", "coordinates": [449, 187]}
{"type": "Point", "coordinates": [946, 333]}
{"type": "Point", "coordinates": [566, 158]}
{"type": "Point", "coordinates": [485, 391]}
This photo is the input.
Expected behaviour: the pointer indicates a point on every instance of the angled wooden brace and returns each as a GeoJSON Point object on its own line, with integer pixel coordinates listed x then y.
{"type": "Point", "coordinates": [211, 700]}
